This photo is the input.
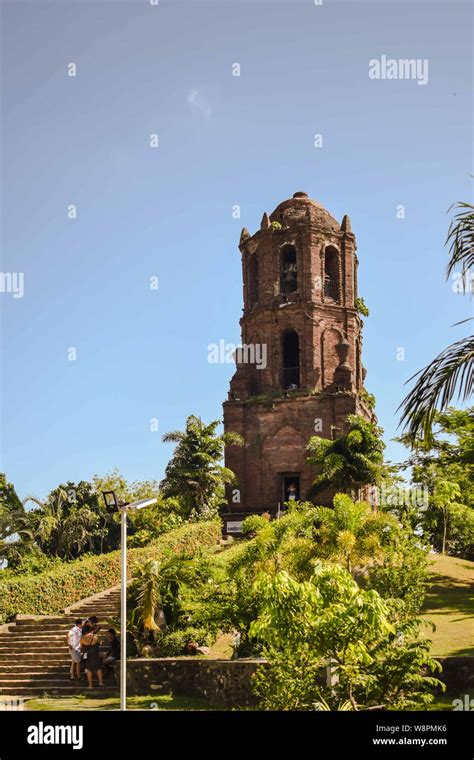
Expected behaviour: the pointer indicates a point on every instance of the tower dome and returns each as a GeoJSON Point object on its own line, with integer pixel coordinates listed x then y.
{"type": "Point", "coordinates": [301, 209]}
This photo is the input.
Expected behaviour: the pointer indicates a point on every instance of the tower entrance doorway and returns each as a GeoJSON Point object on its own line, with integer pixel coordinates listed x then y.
{"type": "Point", "coordinates": [290, 487]}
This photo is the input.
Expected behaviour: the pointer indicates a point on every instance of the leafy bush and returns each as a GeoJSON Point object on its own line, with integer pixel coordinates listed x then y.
{"type": "Point", "coordinates": [52, 591]}
{"type": "Point", "coordinates": [32, 563]}
{"type": "Point", "coordinates": [154, 526]}
{"type": "Point", "coordinates": [329, 619]}
{"type": "Point", "coordinates": [174, 643]}
{"type": "Point", "coordinates": [403, 574]}
{"type": "Point", "coordinates": [361, 307]}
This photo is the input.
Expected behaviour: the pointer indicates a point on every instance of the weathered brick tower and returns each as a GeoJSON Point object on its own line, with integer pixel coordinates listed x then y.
{"type": "Point", "coordinates": [299, 372]}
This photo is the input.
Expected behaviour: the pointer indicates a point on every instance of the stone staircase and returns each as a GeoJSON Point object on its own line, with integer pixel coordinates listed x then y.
{"type": "Point", "coordinates": [34, 657]}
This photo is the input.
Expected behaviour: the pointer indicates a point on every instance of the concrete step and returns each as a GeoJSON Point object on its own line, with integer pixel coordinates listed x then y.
{"type": "Point", "coordinates": [32, 691]}
{"type": "Point", "coordinates": [59, 625]}
{"type": "Point", "coordinates": [40, 635]}
{"type": "Point", "coordinates": [33, 641]}
{"type": "Point", "coordinates": [34, 659]}
{"type": "Point", "coordinates": [104, 614]}
{"type": "Point", "coordinates": [60, 679]}
{"type": "Point", "coordinates": [43, 683]}
{"type": "Point", "coordinates": [21, 643]}
{"type": "Point", "coordinates": [37, 649]}
{"type": "Point", "coordinates": [105, 605]}
{"type": "Point", "coordinates": [33, 636]}
{"type": "Point", "coordinates": [57, 675]}
{"type": "Point", "coordinates": [30, 659]}
{"type": "Point", "coordinates": [33, 668]}
{"type": "Point", "coordinates": [25, 653]}
{"type": "Point", "coordinates": [26, 657]}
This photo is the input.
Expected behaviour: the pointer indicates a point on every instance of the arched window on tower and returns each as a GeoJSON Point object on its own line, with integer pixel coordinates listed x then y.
{"type": "Point", "coordinates": [290, 370]}
{"type": "Point", "coordinates": [332, 288]}
{"type": "Point", "coordinates": [288, 270]}
{"type": "Point", "coordinates": [253, 280]}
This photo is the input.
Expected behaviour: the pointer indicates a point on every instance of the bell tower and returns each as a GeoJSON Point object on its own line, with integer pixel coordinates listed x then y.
{"type": "Point", "coordinates": [299, 370]}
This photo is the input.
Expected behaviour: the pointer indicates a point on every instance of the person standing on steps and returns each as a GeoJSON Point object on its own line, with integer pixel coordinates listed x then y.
{"type": "Point", "coordinates": [90, 646]}
{"type": "Point", "coordinates": [73, 642]}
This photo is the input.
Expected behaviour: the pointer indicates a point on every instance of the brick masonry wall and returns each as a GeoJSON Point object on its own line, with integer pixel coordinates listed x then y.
{"type": "Point", "coordinates": [276, 428]}
{"type": "Point", "coordinates": [275, 436]}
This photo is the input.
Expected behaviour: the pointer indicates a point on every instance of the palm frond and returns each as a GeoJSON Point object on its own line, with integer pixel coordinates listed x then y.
{"type": "Point", "coordinates": [450, 374]}
{"type": "Point", "coordinates": [461, 239]}
{"type": "Point", "coordinates": [34, 500]}
{"type": "Point", "coordinates": [173, 436]}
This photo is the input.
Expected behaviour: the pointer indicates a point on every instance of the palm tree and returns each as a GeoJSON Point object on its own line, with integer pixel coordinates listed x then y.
{"type": "Point", "coordinates": [195, 474]}
{"type": "Point", "coordinates": [62, 527]}
{"type": "Point", "coordinates": [156, 590]}
{"type": "Point", "coordinates": [287, 543]}
{"type": "Point", "coordinates": [351, 532]}
{"type": "Point", "coordinates": [451, 373]}
{"type": "Point", "coordinates": [15, 535]}
{"type": "Point", "coordinates": [47, 519]}
{"type": "Point", "coordinates": [350, 461]}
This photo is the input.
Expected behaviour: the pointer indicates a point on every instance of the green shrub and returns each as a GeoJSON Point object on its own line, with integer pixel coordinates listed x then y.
{"type": "Point", "coordinates": [174, 644]}
{"type": "Point", "coordinates": [32, 563]}
{"type": "Point", "coordinates": [403, 575]}
{"type": "Point", "coordinates": [52, 591]}
{"type": "Point", "coordinates": [361, 307]}
{"type": "Point", "coordinates": [328, 618]}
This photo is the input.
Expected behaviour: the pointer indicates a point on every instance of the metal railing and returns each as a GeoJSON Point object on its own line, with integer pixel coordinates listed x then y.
{"type": "Point", "coordinates": [289, 283]}
{"type": "Point", "coordinates": [332, 290]}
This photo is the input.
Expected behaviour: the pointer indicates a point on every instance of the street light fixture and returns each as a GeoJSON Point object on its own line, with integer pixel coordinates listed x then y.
{"type": "Point", "coordinates": [113, 504]}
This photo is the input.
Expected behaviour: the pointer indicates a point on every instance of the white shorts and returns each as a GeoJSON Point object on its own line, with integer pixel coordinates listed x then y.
{"type": "Point", "coordinates": [75, 655]}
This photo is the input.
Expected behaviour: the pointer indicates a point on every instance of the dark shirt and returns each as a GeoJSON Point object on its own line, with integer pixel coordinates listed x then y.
{"type": "Point", "coordinates": [114, 649]}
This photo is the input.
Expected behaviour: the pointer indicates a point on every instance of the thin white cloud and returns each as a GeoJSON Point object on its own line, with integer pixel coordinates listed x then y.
{"type": "Point", "coordinates": [199, 104]}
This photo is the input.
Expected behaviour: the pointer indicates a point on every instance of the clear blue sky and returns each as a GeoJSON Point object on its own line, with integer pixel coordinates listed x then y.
{"type": "Point", "coordinates": [223, 140]}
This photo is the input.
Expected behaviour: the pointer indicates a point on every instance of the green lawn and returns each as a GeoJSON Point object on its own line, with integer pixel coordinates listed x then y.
{"type": "Point", "coordinates": [162, 702]}
{"type": "Point", "coordinates": [449, 605]}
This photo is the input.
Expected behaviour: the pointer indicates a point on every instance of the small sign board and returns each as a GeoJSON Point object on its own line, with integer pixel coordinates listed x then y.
{"type": "Point", "coordinates": [234, 526]}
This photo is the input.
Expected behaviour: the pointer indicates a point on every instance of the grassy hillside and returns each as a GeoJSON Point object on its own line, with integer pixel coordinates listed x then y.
{"type": "Point", "coordinates": [49, 592]}
{"type": "Point", "coordinates": [450, 605]}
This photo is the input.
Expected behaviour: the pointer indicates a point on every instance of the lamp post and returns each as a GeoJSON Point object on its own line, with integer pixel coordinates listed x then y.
{"type": "Point", "coordinates": [113, 504]}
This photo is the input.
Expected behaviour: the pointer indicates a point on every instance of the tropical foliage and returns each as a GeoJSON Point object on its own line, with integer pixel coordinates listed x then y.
{"type": "Point", "coordinates": [72, 521]}
{"type": "Point", "coordinates": [195, 474]}
{"type": "Point", "coordinates": [297, 543]}
{"type": "Point", "coordinates": [446, 471]}
{"type": "Point", "coordinates": [349, 462]}
{"type": "Point", "coordinates": [68, 523]}
{"type": "Point", "coordinates": [67, 582]}
{"type": "Point", "coordinates": [155, 591]}
{"type": "Point", "coordinates": [352, 533]}
{"type": "Point", "coordinates": [329, 622]}
{"type": "Point", "coordinates": [451, 373]}
{"type": "Point", "coordinates": [16, 538]}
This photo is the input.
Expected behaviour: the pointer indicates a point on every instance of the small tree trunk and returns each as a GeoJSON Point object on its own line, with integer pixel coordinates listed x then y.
{"type": "Point", "coordinates": [445, 530]}
{"type": "Point", "coordinates": [352, 700]}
